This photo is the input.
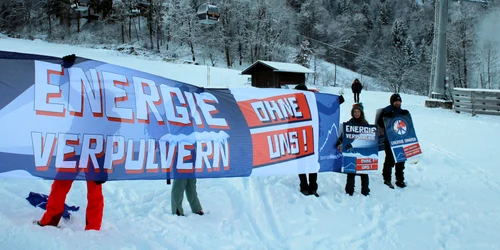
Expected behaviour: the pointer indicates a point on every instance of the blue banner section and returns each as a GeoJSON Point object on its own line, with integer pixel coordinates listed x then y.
{"type": "Point", "coordinates": [329, 117]}
{"type": "Point", "coordinates": [402, 137]}
{"type": "Point", "coordinates": [359, 148]}
{"type": "Point", "coordinates": [99, 121]}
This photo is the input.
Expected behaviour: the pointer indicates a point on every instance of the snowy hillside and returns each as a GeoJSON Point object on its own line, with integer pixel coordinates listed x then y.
{"type": "Point", "coordinates": [451, 201]}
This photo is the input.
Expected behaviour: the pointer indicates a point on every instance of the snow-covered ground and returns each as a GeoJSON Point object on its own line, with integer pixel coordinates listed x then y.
{"type": "Point", "coordinates": [451, 202]}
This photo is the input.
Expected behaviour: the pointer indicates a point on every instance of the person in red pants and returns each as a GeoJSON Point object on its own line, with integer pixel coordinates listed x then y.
{"type": "Point", "coordinates": [57, 197]}
{"type": "Point", "coordinates": [63, 181]}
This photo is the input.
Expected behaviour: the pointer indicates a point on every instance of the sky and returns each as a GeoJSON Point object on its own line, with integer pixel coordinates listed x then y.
{"type": "Point", "coordinates": [451, 201]}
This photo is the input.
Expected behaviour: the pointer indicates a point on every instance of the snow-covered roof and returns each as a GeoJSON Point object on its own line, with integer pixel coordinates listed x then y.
{"type": "Point", "coordinates": [281, 67]}
{"type": "Point", "coordinates": [480, 90]}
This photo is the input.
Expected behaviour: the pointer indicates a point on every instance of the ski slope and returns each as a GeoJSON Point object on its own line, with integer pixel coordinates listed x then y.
{"type": "Point", "coordinates": [451, 202]}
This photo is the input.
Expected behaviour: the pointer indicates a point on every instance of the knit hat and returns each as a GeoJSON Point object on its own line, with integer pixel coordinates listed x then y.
{"type": "Point", "coordinates": [395, 98]}
{"type": "Point", "coordinates": [359, 107]}
{"type": "Point", "coordinates": [301, 87]}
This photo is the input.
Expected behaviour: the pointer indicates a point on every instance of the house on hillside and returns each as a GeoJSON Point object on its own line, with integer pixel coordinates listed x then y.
{"type": "Point", "coordinates": [266, 74]}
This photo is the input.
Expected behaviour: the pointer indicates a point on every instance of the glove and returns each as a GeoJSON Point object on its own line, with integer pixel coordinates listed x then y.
{"type": "Point", "coordinates": [69, 60]}
{"type": "Point", "coordinates": [99, 182]}
{"type": "Point", "coordinates": [404, 112]}
{"type": "Point", "coordinates": [341, 99]}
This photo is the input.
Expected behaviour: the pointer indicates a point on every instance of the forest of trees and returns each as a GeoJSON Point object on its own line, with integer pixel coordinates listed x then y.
{"type": "Point", "coordinates": [391, 40]}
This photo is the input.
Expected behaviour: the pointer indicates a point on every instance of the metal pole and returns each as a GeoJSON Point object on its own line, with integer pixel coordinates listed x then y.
{"type": "Point", "coordinates": [440, 72]}
{"type": "Point", "coordinates": [208, 76]}
{"type": "Point", "coordinates": [434, 47]}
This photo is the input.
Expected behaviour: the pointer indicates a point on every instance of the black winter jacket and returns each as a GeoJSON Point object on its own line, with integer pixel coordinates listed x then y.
{"type": "Point", "coordinates": [390, 111]}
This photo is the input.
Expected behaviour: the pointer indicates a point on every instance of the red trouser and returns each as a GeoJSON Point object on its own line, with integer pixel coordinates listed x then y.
{"type": "Point", "coordinates": [55, 204]}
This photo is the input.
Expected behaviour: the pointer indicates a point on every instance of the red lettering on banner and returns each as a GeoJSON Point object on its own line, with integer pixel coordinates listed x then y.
{"type": "Point", "coordinates": [412, 150]}
{"type": "Point", "coordinates": [366, 164]}
{"type": "Point", "coordinates": [282, 145]}
{"type": "Point", "coordinates": [276, 110]}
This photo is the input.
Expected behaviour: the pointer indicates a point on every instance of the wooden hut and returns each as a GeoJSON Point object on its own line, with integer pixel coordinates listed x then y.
{"type": "Point", "coordinates": [266, 74]}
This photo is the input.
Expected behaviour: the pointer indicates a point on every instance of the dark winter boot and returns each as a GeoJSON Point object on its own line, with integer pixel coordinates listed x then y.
{"type": "Point", "coordinates": [400, 167]}
{"type": "Point", "coordinates": [304, 187]}
{"type": "Point", "coordinates": [313, 185]}
{"type": "Point", "coordinates": [389, 184]}
{"type": "Point", "coordinates": [401, 184]}
{"type": "Point", "coordinates": [365, 181]}
{"type": "Point", "coordinates": [37, 222]}
{"type": "Point", "coordinates": [178, 213]}
{"type": "Point", "coordinates": [388, 163]}
{"type": "Point", "coordinates": [387, 170]}
{"type": "Point", "coordinates": [349, 185]}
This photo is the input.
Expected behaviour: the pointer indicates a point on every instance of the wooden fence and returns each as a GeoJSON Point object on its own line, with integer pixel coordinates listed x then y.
{"type": "Point", "coordinates": [477, 101]}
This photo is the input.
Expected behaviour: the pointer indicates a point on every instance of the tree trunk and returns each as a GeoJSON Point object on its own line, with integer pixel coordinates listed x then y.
{"type": "Point", "coordinates": [150, 24]}
{"type": "Point", "coordinates": [481, 80]}
{"type": "Point", "coordinates": [191, 46]}
{"type": "Point", "coordinates": [68, 20]}
{"type": "Point", "coordinates": [315, 72]}
{"type": "Point", "coordinates": [464, 62]}
{"type": "Point", "coordinates": [50, 26]}
{"type": "Point", "coordinates": [130, 28]}
{"type": "Point", "coordinates": [459, 76]}
{"type": "Point", "coordinates": [158, 38]}
{"type": "Point", "coordinates": [212, 59]}
{"type": "Point", "coordinates": [240, 52]}
{"type": "Point", "coordinates": [123, 32]}
{"type": "Point", "coordinates": [488, 66]}
{"type": "Point", "coordinates": [78, 21]}
{"type": "Point", "coordinates": [228, 55]}
{"type": "Point", "coordinates": [335, 76]}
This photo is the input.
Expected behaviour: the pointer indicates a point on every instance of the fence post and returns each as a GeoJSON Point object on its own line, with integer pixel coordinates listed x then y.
{"type": "Point", "coordinates": [473, 113]}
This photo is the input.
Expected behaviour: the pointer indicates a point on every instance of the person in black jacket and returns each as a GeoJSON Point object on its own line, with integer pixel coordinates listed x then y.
{"type": "Point", "coordinates": [391, 111]}
{"type": "Point", "coordinates": [358, 119]}
{"type": "Point", "coordinates": [356, 88]}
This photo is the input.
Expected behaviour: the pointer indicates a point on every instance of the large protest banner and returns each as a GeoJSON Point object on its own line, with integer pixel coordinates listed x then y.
{"type": "Point", "coordinates": [359, 149]}
{"type": "Point", "coordinates": [402, 137]}
{"type": "Point", "coordinates": [95, 118]}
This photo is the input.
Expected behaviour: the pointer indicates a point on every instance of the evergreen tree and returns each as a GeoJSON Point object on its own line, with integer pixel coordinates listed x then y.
{"type": "Point", "coordinates": [409, 52]}
{"type": "Point", "coordinates": [304, 56]}
{"type": "Point", "coordinates": [399, 33]}
{"type": "Point", "coordinates": [385, 14]}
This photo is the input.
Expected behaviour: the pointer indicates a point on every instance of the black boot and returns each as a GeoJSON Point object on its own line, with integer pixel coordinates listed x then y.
{"type": "Point", "coordinates": [365, 181]}
{"type": "Point", "coordinates": [304, 187]}
{"type": "Point", "coordinates": [178, 213]}
{"type": "Point", "coordinates": [349, 185]}
{"type": "Point", "coordinates": [401, 184]}
{"type": "Point", "coordinates": [388, 183]}
{"type": "Point", "coordinates": [400, 177]}
{"type": "Point", "coordinates": [313, 185]}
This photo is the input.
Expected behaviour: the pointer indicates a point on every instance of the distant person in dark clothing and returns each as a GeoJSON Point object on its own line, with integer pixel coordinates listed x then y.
{"type": "Point", "coordinates": [356, 88]}
{"type": "Point", "coordinates": [358, 119]}
{"type": "Point", "coordinates": [391, 111]}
